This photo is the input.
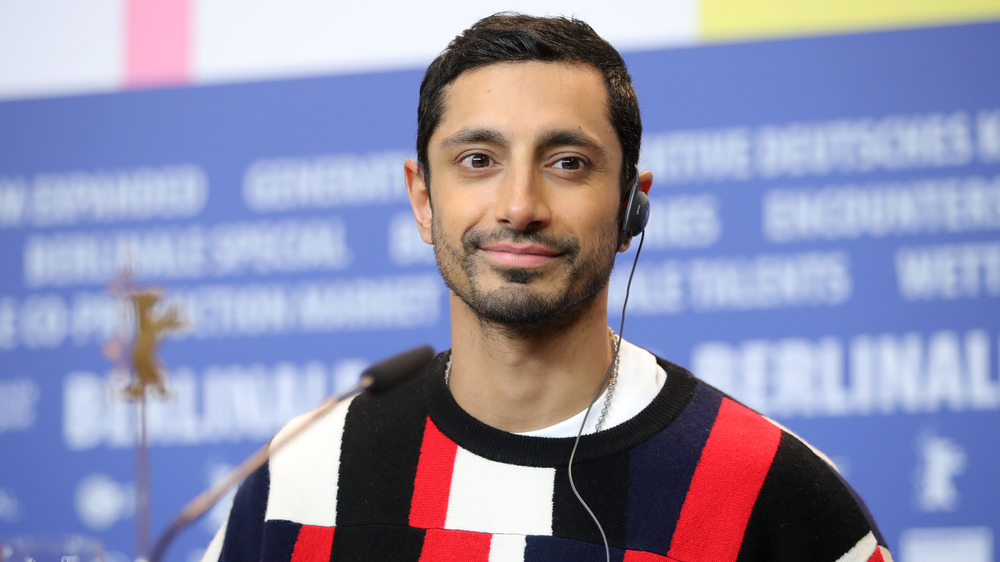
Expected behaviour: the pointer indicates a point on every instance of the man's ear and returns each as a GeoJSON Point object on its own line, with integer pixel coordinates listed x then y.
{"type": "Point", "coordinates": [420, 198]}
{"type": "Point", "coordinates": [645, 183]}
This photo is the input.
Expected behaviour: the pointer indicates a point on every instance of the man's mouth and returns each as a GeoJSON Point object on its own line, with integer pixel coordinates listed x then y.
{"type": "Point", "coordinates": [519, 255]}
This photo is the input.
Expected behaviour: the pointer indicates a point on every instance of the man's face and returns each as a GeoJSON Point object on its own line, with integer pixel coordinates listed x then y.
{"type": "Point", "coordinates": [524, 169]}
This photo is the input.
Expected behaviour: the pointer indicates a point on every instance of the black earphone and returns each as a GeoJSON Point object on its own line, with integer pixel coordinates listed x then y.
{"type": "Point", "coordinates": [636, 212]}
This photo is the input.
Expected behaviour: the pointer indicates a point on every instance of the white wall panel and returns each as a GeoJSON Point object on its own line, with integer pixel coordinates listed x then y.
{"type": "Point", "coordinates": [247, 39]}
{"type": "Point", "coordinates": [59, 47]}
{"type": "Point", "coordinates": [55, 47]}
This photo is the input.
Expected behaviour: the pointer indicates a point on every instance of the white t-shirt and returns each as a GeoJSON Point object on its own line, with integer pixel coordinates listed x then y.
{"type": "Point", "coordinates": [640, 378]}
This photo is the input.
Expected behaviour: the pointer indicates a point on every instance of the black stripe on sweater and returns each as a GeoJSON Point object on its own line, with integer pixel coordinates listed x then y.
{"type": "Point", "coordinates": [803, 512]}
{"type": "Point", "coordinates": [603, 484]}
{"type": "Point", "coordinates": [378, 458]}
{"type": "Point", "coordinates": [245, 529]}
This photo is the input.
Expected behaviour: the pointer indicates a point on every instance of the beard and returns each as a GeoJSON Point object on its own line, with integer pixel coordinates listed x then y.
{"type": "Point", "coordinates": [519, 306]}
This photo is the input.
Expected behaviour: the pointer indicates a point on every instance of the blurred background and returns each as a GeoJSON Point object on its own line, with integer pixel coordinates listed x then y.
{"type": "Point", "coordinates": [823, 242]}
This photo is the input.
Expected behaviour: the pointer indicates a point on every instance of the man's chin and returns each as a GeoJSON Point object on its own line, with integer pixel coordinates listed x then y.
{"type": "Point", "coordinates": [518, 303]}
{"type": "Point", "coordinates": [519, 276]}
{"type": "Point", "coordinates": [520, 313]}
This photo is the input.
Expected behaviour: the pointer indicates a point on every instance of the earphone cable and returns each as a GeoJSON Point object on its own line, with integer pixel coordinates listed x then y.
{"type": "Point", "coordinates": [576, 443]}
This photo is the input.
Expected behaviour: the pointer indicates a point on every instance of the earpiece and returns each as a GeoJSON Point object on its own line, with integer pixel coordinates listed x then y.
{"type": "Point", "coordinates": [636, 212]}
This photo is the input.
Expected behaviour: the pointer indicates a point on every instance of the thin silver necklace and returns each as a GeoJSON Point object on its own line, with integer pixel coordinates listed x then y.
{"type": "Point", "coordinates": [608, 394]}
{"type": "Point", "coordinates": [611, 384]}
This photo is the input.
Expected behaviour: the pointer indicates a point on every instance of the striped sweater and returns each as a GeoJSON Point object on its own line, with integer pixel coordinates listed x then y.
{"type": "Point", "coordinates": [409, 475]}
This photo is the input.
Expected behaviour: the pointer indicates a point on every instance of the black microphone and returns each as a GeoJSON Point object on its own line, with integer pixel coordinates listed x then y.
{"type": "Point", "coordinates": [380, 377]}
{"type": "Point", "coordinates": [388, 373]}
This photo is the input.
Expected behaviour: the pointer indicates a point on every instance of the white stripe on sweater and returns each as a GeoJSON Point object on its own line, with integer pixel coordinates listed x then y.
{"type": "Point", "coordinates": [308, 496]}
{"type": "Point", "coordinates": [490, 497]}
{"type": "Point", "coordinates": [504, 548]}
{"type": "Point", "coordinates": [862, 551]}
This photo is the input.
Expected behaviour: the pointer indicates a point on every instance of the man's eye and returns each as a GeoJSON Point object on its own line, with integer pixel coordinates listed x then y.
{"type": "Point", "coordinates": [477, 161]}
{"type": "Point", "coordinates": [569, 163]}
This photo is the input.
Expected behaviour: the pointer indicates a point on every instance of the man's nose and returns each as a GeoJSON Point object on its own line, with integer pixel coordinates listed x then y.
{"type": "Point", "coordinates": [522, 203]}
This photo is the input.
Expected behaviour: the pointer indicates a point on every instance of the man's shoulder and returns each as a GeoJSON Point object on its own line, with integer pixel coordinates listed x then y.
{"type": "Point", "coordinates": [794, 489]}
{"type": "Point", "coordinates": [356, 419]}
{"type": "Point", "coordinates": [746, 431]}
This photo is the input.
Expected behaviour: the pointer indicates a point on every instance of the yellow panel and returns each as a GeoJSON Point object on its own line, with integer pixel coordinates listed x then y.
{"type": "Point", "coordinates": [743, 19]}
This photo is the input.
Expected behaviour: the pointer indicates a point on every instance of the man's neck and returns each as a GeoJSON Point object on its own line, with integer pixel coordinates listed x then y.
{"type": "Point", "coordinates": [518, 382]}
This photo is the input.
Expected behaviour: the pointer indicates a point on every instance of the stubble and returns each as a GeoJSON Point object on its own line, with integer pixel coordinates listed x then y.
{"type": "Point", "coordinates": [519, 307]}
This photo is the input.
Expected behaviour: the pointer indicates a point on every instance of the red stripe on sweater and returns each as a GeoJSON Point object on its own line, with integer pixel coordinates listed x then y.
{"type": "Point", "coordinates": [313, 543]}
{"type": "Point", "coordinates": [725, 485]}
{"type": "Point", "coordinates": [461, 546]}
{"type": "Point", "coordinates": [432, 486]}
{"type": "Point", "coordinates": [877, 555]}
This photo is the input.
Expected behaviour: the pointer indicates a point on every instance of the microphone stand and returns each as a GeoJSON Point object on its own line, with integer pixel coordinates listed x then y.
{"type": "Point", "coordinates": [378, 378]}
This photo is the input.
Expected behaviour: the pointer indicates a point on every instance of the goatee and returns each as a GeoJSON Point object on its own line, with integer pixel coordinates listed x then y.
{"type": "Point", "coordinates": [518, 307]}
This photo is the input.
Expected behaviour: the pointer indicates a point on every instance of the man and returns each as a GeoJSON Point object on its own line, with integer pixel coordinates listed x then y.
{"type": "Point", "coordinates": [528, 140]}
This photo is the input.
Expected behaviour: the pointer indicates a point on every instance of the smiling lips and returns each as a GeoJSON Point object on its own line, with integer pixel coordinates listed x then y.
{"type": "Point", "coordinates": [526, 256]}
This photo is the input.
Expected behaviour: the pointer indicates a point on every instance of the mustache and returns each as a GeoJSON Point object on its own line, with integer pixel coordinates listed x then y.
{"type": "Point", "coordinates": [476, 238]}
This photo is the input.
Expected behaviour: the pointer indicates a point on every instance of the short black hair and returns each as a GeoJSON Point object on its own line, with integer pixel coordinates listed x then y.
{"type": "Point", "coordinates": [510, 37]}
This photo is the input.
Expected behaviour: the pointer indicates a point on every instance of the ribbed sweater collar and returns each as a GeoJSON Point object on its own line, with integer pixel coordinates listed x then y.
{"type": "Point", "coordinates": [501, 446]}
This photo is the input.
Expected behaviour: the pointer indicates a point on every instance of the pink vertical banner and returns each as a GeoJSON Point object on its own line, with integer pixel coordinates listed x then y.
{"type": "Point", "coordinates": [157, 42]}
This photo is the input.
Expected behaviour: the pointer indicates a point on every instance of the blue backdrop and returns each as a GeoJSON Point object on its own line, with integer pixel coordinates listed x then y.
{"type": "Point", "coordinates": [823, 244]}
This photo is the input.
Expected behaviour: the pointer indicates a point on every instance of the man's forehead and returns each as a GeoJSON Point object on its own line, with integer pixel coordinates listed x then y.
{"type": "Point", "coordinates": [484, 92]}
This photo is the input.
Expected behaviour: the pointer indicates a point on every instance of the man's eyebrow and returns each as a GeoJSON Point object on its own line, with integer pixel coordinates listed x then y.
{"type": "Point", "coordinates": [569, 137]}
{"type": "Point", "coordinates": [548, 139]}
{"type": "Point", "coordinates": [474, 135]}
